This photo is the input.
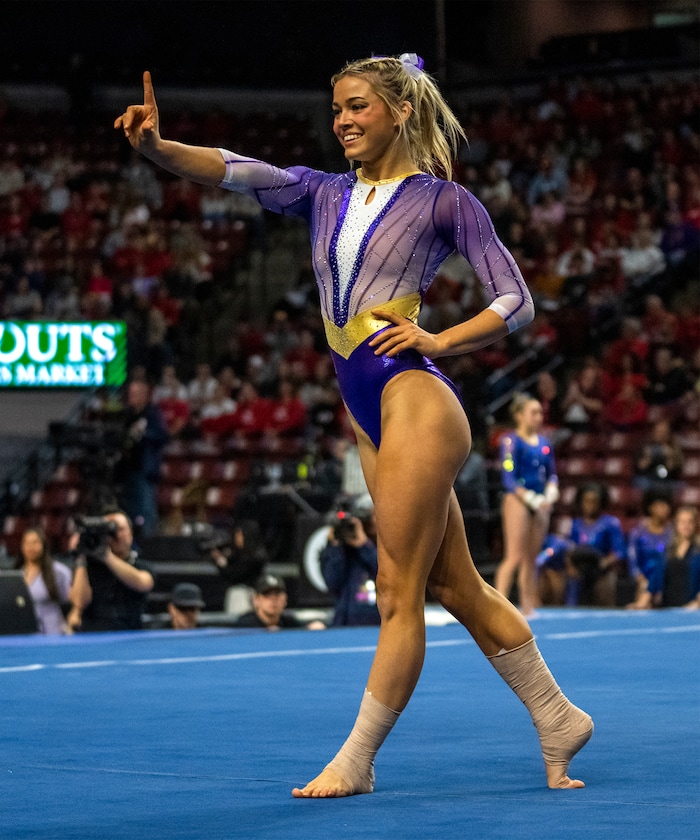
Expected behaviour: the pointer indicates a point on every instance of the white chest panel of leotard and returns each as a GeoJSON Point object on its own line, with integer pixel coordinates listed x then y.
{"type": "Point", "coordinates": [358, 219]}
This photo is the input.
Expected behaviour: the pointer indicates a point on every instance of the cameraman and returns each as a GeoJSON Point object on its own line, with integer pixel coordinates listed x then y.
{"type": "Point", "coordinates": [110, 582]}
{"type": "Point", "coordinates": [349, 567]}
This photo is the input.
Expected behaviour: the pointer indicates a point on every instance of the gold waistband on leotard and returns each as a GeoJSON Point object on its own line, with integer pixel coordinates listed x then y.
{"type": "Point", "coordinates": [343, 340]}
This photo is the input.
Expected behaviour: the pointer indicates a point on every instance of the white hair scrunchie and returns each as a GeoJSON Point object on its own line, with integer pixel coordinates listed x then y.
{"type": "Point", "coordinates": [413, 64]}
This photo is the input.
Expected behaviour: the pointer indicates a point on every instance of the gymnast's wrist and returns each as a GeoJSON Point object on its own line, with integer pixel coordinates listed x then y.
{"type": "Point", "coordinates": [551, 493]}
{"type": "Point", "coordinates": [442, 345]}
{"type": "Point", "coordinates": [533, 500]}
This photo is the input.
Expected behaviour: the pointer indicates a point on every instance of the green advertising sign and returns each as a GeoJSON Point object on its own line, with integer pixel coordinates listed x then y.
{"type": "Point", "coordinates": [62, 354]}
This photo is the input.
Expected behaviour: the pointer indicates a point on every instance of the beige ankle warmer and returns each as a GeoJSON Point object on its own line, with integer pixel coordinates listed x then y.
{"type": "Point", "coordinates": [354, 763]}
{"type": "Point", "coordinates": [562, 727]}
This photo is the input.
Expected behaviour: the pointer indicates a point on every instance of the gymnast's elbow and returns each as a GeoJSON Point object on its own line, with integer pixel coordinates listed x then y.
{"type": "Point", "coordinates": [516, 308]}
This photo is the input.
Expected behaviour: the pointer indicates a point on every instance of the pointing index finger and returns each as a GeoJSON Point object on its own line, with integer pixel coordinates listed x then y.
{"type": "Point", "coordinates": [148, 95]}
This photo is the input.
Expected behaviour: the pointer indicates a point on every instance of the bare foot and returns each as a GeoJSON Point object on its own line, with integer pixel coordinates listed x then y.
{"type": "Point", "coordinates": [326, 785]}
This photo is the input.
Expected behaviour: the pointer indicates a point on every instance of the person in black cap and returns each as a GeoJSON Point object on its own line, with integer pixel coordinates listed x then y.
{"type": "Point", "coordinates": [269, 605]}
{"type": "Point", "coordinates": [185, 603]}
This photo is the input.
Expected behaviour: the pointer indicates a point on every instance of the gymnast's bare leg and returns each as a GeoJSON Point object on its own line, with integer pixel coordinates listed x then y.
{"type": "Point", "coordinates": [425, 439]}
{"type": "Point", "coordinates": [523, 534]}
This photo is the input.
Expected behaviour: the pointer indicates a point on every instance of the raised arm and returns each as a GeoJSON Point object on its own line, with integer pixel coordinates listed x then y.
{"type": "Point", "coordinates": [137, 579]}
{"type": "Point", "coordinates": [140, 125]}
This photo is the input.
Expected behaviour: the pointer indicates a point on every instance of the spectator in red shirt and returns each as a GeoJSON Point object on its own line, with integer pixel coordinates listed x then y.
{"type": "Point", "coordinates": [581, 187]}
{"type": "Point", "coordinates": [608, 217]}
{"type": "Point", "coordinates": [168, 306]}
{"type": "Point", "coordinates": [176, 415]}
{"type": "Point", "coordinates": [128, 256]}
{"type": "Point", "coordinates": [304, 356]}
{"type": "Point", "coordinates": [181, 201]}
{"type": "Point", "coordinates": [157, 258]}
{"type": "Point", "coordinates": [631, 340]}
{"type": "Point", "coordinates": [287, 411]}
{"type": "Point", "coordinates": [671, 150]}
{"type": "Point", "coordinates": [627, 410]}
{"type": "Point", "coordinates": [170, 395]}
{"type": "Point", "coordinates": [253, 413]}
{"type": "Point", "coordinates": [494, 357]}
{"type": "Point", "coordinates": [688, 327]}
{"type": "Point", "coordinates": [587, 107]}
{"type": "Point", "coordinates": [629, 369]}
{"type": "Point", "coordinates": [660, 325]}
{"type": "Point", "coordinates": [692, 209]}
{"type": "Point", "coordinates": [14, 219]}
{"type": "Point", "coordinates": [98, 292]}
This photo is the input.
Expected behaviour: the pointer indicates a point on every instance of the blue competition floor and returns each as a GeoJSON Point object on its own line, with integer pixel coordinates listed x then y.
{"type": "Point", "coordinates": [202, 735]}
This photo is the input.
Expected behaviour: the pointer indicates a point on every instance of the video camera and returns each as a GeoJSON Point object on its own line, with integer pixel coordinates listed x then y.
{"type": "Point", "coordinates": [217, 541]}
{"type": "Point", "coordinates": [94, 532]}
{"type": "Point", "coordinates": [343, 526]}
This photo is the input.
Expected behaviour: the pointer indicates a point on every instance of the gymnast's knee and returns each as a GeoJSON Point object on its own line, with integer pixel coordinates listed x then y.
{"type": "Point", "coordinates": [514, 560]}
{"type": "Point", "coordinates": [398, 598]}
{"type": "Point", "coordinates": [461, 599]}
{"type": "Point", "coordinates": [443, 593]}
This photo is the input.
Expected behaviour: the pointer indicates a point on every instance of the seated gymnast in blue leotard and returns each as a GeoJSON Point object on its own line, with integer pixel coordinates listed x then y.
{"type": "Point", "coordinates": [378, 236]}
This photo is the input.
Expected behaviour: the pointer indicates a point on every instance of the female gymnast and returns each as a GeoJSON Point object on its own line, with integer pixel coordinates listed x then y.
{"type": "Point", "coordinates": [378, 235]}
{"type": "Point", "coordinates": [531, 487]}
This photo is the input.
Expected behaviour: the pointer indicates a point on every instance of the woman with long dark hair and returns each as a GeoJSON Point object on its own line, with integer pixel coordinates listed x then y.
{"type": "Point", "coordinates": [596, 550]}
{"type": "Point", "coordinates": [47, 579]}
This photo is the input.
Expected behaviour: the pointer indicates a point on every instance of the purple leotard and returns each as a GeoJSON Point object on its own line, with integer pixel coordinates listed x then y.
{"type": "Point", "coordinates": [385, 257]}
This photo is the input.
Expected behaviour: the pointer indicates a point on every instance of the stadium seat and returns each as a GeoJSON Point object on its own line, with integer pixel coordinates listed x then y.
{"type": "Point", "coordinates": [580, 468]}
{"type": "Point", "coordinates": [617, 467]}
{"type": "Point", "coordinates": [689, 441]}
{"type": "Point", "coordinates": [222, 499]}
{"type": "Point", "coordinates": [178, 471]}
{"type": "Point", "coordinates": [689, 496]}
{"type": "Point", "coordinates": [583, 443]}
{"type": "Point", "coordinates": [12, 530]}
{"type": "Point", "coordinates": [567, 498]}
{"type": "Point", "coordinates": [67, 474]}
{"type": "Point", "coordinates": [622, 443]}
{"type": "Point", "coordinates": [56, 498]}
{"type": "Point", "coordinates": [229, 471]}
{"type": "Point", "coordinates": [690, 470]}
{"type": "Point", "coordinates": [625, 500]}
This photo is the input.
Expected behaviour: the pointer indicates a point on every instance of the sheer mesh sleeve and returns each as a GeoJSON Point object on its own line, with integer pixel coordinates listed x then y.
{"type": "Point", "coordinates": [460, 215]}
{"type": "Point", "coordinates": [280, 190]}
